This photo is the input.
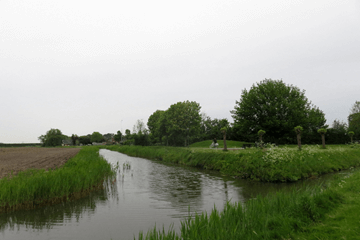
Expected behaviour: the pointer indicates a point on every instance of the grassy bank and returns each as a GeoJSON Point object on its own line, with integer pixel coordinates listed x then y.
{"type": "Point", "coordinates": [229, 144]}
{"type": "Point", "coordinates": [78, 176]}
{"type": "Point", "coordinates": [330, 211]}
{"type": "Point", "coordinates": [273, 165]}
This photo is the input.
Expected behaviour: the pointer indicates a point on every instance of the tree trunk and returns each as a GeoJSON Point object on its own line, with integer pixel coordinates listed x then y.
{"type": "Point", "coordinates": [323, 140]}
{"type": "Point", "coordinates": [225, 146]}
{"type": "Point", "coordinates": [299, 141]}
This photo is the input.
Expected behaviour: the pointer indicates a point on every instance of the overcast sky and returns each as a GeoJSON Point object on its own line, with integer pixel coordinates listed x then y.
{"type": "Point", "coordinates": [85, 66]}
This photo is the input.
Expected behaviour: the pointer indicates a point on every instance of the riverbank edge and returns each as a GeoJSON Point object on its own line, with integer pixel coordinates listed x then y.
{"type": "Point", "coordinates": [309, 213]}
{"type": "Point", "coordinates": [88, 167]}
{"type": "Point", "coordinates": [249, 166]}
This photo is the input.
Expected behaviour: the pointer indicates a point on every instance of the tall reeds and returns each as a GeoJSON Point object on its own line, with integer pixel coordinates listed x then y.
{"type": "Point", "coordinates": [271, 217]}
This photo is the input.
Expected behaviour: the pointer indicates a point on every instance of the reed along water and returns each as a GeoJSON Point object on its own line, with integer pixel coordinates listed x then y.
{"type": "Point", "coordinates": [144, 193]}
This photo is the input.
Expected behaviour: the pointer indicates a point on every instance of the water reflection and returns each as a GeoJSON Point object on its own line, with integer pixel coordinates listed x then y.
{"type": "Point", "coordinates": [47, 217]}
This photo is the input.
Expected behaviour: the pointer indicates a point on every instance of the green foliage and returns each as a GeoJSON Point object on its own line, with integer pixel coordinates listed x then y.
{"type": "Point", "coordinates": [178, 125]}
{"type": "Point", "coordinates": [32, 186]}
{"type": "Point", "coordinates": [275, 107]}
{"type": "Point", "coordinates": [322, 130]}
{"type": "Point", "coordinates": [141, 139]}
{"type": "Point", "coordinates": [108, 137]}
{"type": "Point", "coordinates": [211, 128]}
{"type": "Point", "coordinates": [155, 126]}
{"type": "Point", "coordinates": [97, 137]}
{"type": "Point", "coordinates": [354, 125]}
{"type": "Point", "coordinates": [85, 140]}
{"type": "Point", "coordinates": [298, 129]}
{"type": "Point", "coordinates": [261, 132]}
{"type": "Point", "coordinates": [141, 134]}
{"type": "Point", "coordinates": [127, 132]}
{"type": "Point", "coordinates": [117, 136]}
{"type": "Point", "coordinates": [52, 138]}
{"type": "Point", "coordinates": [183, 122]}
{"type": "Point", "coordinates": [74, 139]}
{"type": "Point", "coordinates": [337, 133]}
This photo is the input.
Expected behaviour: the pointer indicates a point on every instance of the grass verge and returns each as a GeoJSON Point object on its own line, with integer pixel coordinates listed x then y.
{"type": "Point", "coordinates": [344, 221]}
{"type": "Point", "coordinates": [229, 144]}
{"type": "Point", "coordinates": [330, 211]}
{"type": "Point", "coordinates": [78, 176]}
{"type": "Point", "coordinates": [275, 164]}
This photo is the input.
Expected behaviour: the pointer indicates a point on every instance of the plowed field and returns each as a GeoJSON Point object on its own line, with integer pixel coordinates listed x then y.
{"type": "Point", "coordinates": [22, 158]}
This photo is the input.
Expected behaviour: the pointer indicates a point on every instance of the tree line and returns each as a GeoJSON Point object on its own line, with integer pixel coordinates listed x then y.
{"type": "Point", "coordinates": [270, 105]}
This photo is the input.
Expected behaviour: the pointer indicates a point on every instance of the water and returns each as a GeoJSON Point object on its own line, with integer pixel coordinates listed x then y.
{"type": "Point", "coordinates": [148, 193]}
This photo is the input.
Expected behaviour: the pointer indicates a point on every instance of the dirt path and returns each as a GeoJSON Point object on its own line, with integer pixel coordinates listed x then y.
{"type": "Point", "coordinates": [22, 158]}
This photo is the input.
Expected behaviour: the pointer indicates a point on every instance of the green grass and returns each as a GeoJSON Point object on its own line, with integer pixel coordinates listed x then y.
{"type": "Point", "coordinates": [36, 187]}
{"type": "Point", "coordinates": [343, 222]}
{"type": "Point", "coordinates": [329, 211]}
{"type": "Point", "coordinates": [229, 143]}
{"type": "Point", "coordinates": [275, 164]}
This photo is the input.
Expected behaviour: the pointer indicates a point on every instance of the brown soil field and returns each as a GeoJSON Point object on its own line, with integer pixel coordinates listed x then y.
{"type": "Point", "coordinates": [22, 158]}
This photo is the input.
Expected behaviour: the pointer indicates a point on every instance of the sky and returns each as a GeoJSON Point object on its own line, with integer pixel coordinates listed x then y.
{"type": "Point", "coordinates": [86, 66]}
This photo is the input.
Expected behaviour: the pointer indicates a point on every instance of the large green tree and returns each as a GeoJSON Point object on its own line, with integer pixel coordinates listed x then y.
{"type": "Point", "coordinates": [277, 108]}
{"type": "Point", "coordinates": [182, 122]}
{"type": "Point", "coordinates": [52, 138]}
{"type": "Point", "coordinates": [97, 137]}
{"type": "Point", "coordinates": [154, 125]}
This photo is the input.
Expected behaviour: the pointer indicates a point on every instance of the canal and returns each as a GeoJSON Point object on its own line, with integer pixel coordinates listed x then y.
{"type": "Point", "coordinates": [144, 193]}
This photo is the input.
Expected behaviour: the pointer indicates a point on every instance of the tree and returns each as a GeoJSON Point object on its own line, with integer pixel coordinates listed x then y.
{"type": "Point", "coordinates": [129, 137]}
{"type": "Point", "coordinates": [74, 138]}
{"type": "Point", "coordinates": [109, 137]}
{"type": "Point", "coordinates": [354, 124]}
{"type": "Point", "coordinates": [275, 107]}
{"type": "Point", "coordinates": [182, 121]}
{"type": "Point", "coordinates": [351, 134]}
{"type": "Point", "coordinates": [141, 134]}
{"type": "Point", "coordinates": [322, 132]}
{"type": "Point", "coordinates": [355, 108]}
{"type": "Point", "coordinates": [117, 136]}
{"type": "Point", "coordinates": [298, 130]}
{"type": "Point", "coordinates": [96, 137]}
{"type": "Point", "coordinates": [337, 133]}
{"type": "Point", "coordinates": [52, 138]}
{"type": "Point", "coordinates": [154, 125]}
{"type": "Point", "coordinates": [139, 126]}
{"type": "Point", "coordinates": [85, 140]}
{"type": "Point", "coordinates": [211, 128]}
